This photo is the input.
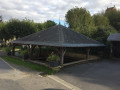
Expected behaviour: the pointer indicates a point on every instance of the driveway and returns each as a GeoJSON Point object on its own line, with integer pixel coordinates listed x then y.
{"type": "Point", "coordinates": [102, 75]}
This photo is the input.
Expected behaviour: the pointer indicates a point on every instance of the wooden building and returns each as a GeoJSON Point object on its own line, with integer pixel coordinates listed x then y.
{"type": "Point", "coordinates": [59, 37]}
{"type": "Point", "coordinates": [115, 44]}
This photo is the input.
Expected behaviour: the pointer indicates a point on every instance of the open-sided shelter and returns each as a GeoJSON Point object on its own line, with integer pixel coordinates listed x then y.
{"type": "Point", "coordinates": [59, 37]}
{"type": "Point", "coordinates": [115, 44]}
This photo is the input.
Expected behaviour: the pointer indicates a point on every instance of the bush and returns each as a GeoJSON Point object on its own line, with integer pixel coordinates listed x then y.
{"type": "Point", "coordinates": [25, 52]}
{"type": "Point", "coordinates": [53, 57]}
{"type": "Point", "coordinates": [8, 50]}
{"type": "Point", "coordinates": [102, 33]}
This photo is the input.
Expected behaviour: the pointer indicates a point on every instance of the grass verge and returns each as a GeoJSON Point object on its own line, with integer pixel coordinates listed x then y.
{"type": "Point", "coordinates": [29, 65]}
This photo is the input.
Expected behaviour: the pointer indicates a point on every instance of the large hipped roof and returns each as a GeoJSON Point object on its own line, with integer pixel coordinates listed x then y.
{"type": "Point", "coordinates": [59, 36]}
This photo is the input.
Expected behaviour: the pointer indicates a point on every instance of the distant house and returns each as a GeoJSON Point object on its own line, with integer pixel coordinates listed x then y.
{"type": "Point", "coordinates": [111, 8]}
{"type": "Point", "coordinates": [115, 40]}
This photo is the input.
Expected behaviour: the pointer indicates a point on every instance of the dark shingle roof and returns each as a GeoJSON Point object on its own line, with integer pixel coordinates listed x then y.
{"type": "Point", "coordinates": [114, 37]}
{"type": "Point", "coordinates": [58, 36]}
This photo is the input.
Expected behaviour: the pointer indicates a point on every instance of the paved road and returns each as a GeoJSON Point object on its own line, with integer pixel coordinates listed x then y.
{"type": "Point", "coordinates": [4, 68]}
{"type": "Point", "coordinates": [11, 79]}
{"type": "Point", "coordinates": [104, 75]}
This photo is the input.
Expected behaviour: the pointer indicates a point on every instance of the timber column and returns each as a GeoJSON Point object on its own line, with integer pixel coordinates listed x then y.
{"type": "Point", "coordinates": [87, 54]}
{"type": "Point", "coordinates": [31, 50]}
{"type": "Point", "coordinates": [62, 51]}
{"type": "Point", "coordinates": [13, 49]}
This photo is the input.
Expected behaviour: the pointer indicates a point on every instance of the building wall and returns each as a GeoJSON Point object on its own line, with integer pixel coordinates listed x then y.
{"type": "Point", "coordinates": [116, 49]}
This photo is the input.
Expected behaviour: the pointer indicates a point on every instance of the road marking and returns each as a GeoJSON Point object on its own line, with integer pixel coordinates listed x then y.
{"type": "Point", "coordinates": [66, 84]}
{"type": "Point", "coordinates": [8, 64]}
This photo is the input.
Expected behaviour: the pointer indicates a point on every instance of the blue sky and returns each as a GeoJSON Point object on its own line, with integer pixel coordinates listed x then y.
{"type": "Point", "coordinates": [62, 22]}
{"type": "Point", "coordinates": [43, 10]}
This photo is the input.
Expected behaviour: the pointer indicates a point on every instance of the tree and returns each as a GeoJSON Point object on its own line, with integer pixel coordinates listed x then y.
{"type": "Point", "coordinates": [80, 20]}
{"type": "Point", "coordinates": [0, 19]}
{"type": "Point", "coordinates": [4, 34]}
{"type": "Point", "coordinates": [27, 27]}
{"type": "Point", "coordinates": [100, 20]}
{"type": "Point", "coordinates": [102, 33]}
{"type": "Point", "coordinates": [39, 26]}
{"type": "Point", "coordinates": [48, 24]}
{"type": "Point", "coordinates": [19, 28]}
{"type": "Point", "coordinates": [114, 18]}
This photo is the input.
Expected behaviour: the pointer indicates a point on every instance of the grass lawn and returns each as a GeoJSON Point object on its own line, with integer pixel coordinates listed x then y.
{"type": "Point", "coordinates": [29, 65]}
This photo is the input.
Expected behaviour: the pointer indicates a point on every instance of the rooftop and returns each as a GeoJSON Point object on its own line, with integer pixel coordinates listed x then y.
{"type": "Point", "coordinates": [59, 36]}
{"type": "Point", "coordinates": [114, 37]}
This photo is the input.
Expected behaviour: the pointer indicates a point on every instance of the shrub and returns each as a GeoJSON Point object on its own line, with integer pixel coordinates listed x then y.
{"type": "Point", "coordinates": [7, 49]}
{"type": "Point", "coordinates": [53, 57]}
{"type": "Point", "coordinates": [25, 52]}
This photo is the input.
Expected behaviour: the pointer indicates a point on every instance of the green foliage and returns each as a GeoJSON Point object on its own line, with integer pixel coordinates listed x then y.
{"type": "Point", "coordinates": [48, 24]}
{"type": "Point", "coordinates": [19, 28]}
{"type": "Point", "coordinates": [53, 57]}
{"type": "Point", "coordinates": [80, 20]}
{"type": "Point", "coordinates": [102, 33]}
{"type": "Point", "coordinates": [100, 20]}
{"type": "Point", "coordinates": [114, 18]}
{"type": "Point", "coordinates": [0, 19]}
{"type": "Point", "coordinates": [4, 34]}
{"type": "Point", "coordinates": [29, 65]}
{"type": "Point", "coordinates": [8, 49]}
{"type": "Point", "coordinates": [39, 26]}
{"type": "Point", "coordinates": [24, 52]}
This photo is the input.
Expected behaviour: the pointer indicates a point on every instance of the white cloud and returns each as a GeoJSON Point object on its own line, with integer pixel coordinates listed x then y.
{"type": "Point", "coordinates": [42, 10]}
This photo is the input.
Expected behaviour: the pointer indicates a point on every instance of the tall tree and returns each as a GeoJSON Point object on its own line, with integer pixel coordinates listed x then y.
{"type": "Point", "coordinates": [100, 20]}
{"type": "Point", "coordinates": [114, 18]}
{"type": "Point", "coordinates": [0, 19]}
{"type": "Point", "coordinates": [48, 24]}
{"type": "Point", "coordinates": [39, 26]}
{"type": "Point", "coordinates": [102, 33]}
{"type": "Point", "coordinates": [19, 28]}
{"type": "Point", "coordinates": [80, 20]}
{"type": "Point", "coordinates": [4, 34]}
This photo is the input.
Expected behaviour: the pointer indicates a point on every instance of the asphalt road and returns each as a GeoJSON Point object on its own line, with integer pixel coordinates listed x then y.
{"type": "Point", "coordinates": [4, 68]}
{"type": "Point", "coordinates": [11, 79]}
{"type": "Point", "coordinates": [103, 75]}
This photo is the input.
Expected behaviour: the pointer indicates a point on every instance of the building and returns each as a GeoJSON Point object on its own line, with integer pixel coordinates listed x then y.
{"type": "Point", "coordinates": [115, 44]}
{"type": "Point", "coordinates": [111, 8]}
{"type": "Point", "coordinates": [59, 37]}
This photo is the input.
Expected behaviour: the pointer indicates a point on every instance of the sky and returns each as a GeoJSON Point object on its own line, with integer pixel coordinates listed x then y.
{"type": "Point", "coordinates": [43, 10]}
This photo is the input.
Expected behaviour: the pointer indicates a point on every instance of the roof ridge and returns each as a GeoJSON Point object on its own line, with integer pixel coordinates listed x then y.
{"type": "Point", "coordinates": [61, 35]}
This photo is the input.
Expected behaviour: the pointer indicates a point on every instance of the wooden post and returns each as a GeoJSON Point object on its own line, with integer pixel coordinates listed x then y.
{"type": "Point", "coordinates": [31, 51]}
{"type": "Point", "coordinates": [111, 51]}
{"type": "Point", "coordinates": [39, 51]}
{"type": "Point", "coordinates": [87, 54]}
{"type": "Point", "coordinates": [63, 51]}
{"type": "Point", "coordinates": [13, 49]}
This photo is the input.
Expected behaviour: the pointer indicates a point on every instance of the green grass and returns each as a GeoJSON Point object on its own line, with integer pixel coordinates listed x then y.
{"type": "Point", "coordinates": [3, 48]}
{"type": "Point", "coordinates": [29, 65]}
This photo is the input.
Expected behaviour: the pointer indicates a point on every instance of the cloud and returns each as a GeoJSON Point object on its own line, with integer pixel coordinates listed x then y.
{"type": "Point", "coordinates": [42, 10]}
